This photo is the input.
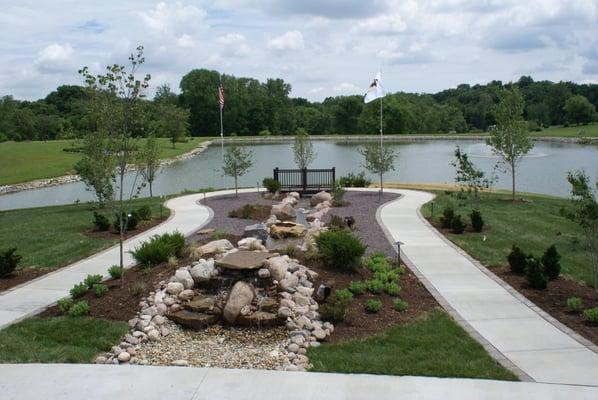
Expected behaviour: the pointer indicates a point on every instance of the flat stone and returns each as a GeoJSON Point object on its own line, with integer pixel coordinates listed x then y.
{"type": "Point", "coordinates": [217, 246]}
{"type": "Point", "coordinates": [243, 259]}
{"type": "Point", "coordinates": [259, 319]}
{"type": "Point", "coordinates": [193, 320]}
{"type": "Point", "coordinates": [258, 231]}
{"type": "Point", "coordinates": [267, 304]}
{"type": "Point", "coordinates": [283, 230]}
{"type": "Point", "coordinates": [202, 304]}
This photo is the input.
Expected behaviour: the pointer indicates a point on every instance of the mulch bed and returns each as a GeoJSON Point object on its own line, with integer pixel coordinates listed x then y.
{"type": "Point", "coordinates": [553, 300]}
{"type": "Point", "coordinates": [113, 234]}
{"type": "Point", "coordinates": [21, 276]}
{"type": "Point", "coordinates": [256, 212]}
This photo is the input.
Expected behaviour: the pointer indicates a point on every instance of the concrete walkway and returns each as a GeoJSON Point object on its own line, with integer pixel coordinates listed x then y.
{"type": "Point", "coordinates": [509, 326]}
{"type": "Point", "coordinates": [90, 382]}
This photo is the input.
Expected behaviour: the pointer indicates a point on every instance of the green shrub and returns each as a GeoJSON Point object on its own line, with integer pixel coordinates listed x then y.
{"type": "Point", "coordinates": [337, 192]}
{"type": "Point", "coordinates": [132, 220]}
{"type": "Point", "coordinates": [265, 132]}
{"type": "Point", "coordinates": [337, 223]}
{"type": "Point", "coordinates": [64, 305]}
{"type": "Point", "coordinates": [91, 280]}
{"type": "Point", "coordinates": [517, 260]}
{"type": "Point", "coordinates": [591, 315]}
{"type": "Point", "coordinates": [271, 185]}
{"type": "Point", "coordinates": [400, 305]}
{"type": "Point", "coordinates": [115, 271]}
{"type": "Point", "coordinates": [477, 222]}
{"type": "Point", "coordinates": [375, 286]}
{"type": "Point", "coordinates": [144, 213]}
{"type": "Point", "coordinates": [137, 289]}
{"type": "Point", "coordinates": [574, 304]}
{"type": "Point", "coordinates": [551, 262]}
{"type": "Point", "coordinates": [78, 290]}
{"type": "Point", "coordinates": [79, 309]}
{"type": "Point", "coordinates": [159, 249]}
{"type": "Point", "coordinates": [377, 262]}
{"type": "Point", "coordinates": [392, 289]}
{"type": "Point", "coordinates": [358, 288]}
{"type": "Point", "coordinates": [9, 261]}
{"type": "Point", "coordinates": [457, 226]}
{"type": "Point", "coordinates": [335, 308]}
{"type": "Point", "coordinates": [340, 249]}
{"type": "Point", "coordinates": [100, 289]}
{"type": "Point", "coordinates": [100, 221]}
{"type": "Point", "coordinates": [535, 274]}
{"type": "Point", "coordinates": [446, 220]}
{"type": "Point", "coordinates": [387, 276]}
{"type": "Point", "coordinates": [352, 180]}
{"type": "Point", "coordinates": [373, 306]}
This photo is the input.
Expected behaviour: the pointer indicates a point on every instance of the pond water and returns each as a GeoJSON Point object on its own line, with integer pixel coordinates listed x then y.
{"type": "Point", "coordinates": [544, 170]}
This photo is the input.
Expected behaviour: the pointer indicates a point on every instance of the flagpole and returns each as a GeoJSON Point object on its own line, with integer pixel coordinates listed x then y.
{"type": "Point", "coordinates": [221, 138]}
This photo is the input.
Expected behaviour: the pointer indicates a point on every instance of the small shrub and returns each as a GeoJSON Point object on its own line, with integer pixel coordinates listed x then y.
{"type": "Point", "coordinates": [9, 261]}
{"type": "Point", "coordinates": [477, 222]}
{"type": "Point", "coordinates": [517, 260]}
{"type": "Point", "coordinates": [335, 308]}
{"type": "Point", "coordinates": [535, 274]}
{"type": "Point", "coordinates": [244, 212]}
{"type": "Point", "coordinates": [337, 223]}
{"type": "Point", "coordinates": [79, 309]}
{"type": "Point", "coordinates": [574, 304]}
{"type": "Point", "coordinates": [387, 276]}
{"type": "Point", "coordinates": [144, 213]}
{"type": "Point", "coordinates": [64, 305]}
{"type": "Point", "coordinates": [338, 192]}
{"type": "Point", "coordinates": [132, 220]}
{"type": "Point", "coordinates": [344, 294]}
{"type": "Point", "coordinates": [373, 306]}
{"type": "Point", "coordinates": [591, 315]}
{"type": "Point", "coordinates": [290, 250]}
{"type": "Point", "coordinates": [352, 180]}
{"type": "Point", "coordinates": [375, 286]}
{"type": "Point", "coordinates": [159, 249]}
{"type": "Point", "coordinates": [358, 288]}
{"type": "Point", "coordinates": [78, 290]}
{"type": "Point", "coordinates": [340, 249]}
{"type": "Point", "coordinates": [91, 280]}
{"type": "Point", "coordinates": [100, 221]}
{"type": "Point", "coordinates": [446, 220]}
{"type": "Point", "coordinates": [392, 289]}
{"type": "Point", "coordinates": [173, 261]}
{"type": "Point", "coordinates": [265, 132]}
{"type": "Point", "coordinates": [457, 226]}
{"type": "Point", "coordinates": [377, 262]}
{"type": "Point", "coordinates": [115, 271]}
{"type": "Point", "coordinates": [137, 289]}
{"type": "Point", "coordinates": [551, 262]}
{"type": "Point", "coordinates": [400, 305]}
{"type": "Point", "coordinates": [271, 185]}
{"type": "Point", "coordinates": [100, 289]}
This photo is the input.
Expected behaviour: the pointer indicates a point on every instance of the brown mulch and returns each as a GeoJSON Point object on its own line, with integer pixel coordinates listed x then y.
{"type": "Point", "coordinates": [112, 234]}
{"type": "Point", "coordinates": [553, 300]}
{"type": "Point", "coordinates": [21, 276]}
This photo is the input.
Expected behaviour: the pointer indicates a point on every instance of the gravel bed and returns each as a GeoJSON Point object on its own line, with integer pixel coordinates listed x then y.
{"type": "Point", "coordinates": [217, 346]}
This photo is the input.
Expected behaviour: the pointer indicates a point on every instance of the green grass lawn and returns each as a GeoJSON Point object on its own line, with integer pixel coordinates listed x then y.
{"type": "Point", "coordinates": [590, 130]}
{"type": "Point", "coordinates": [52, 237]}
{"type": "Point", "coordinates": [434, 346]}
{"type": "Point", "coordinates": [533, 226]}
{"type": "Point", "coordinates": [58, 340]}
{"type": "Point", "coordinates": [27, 161]}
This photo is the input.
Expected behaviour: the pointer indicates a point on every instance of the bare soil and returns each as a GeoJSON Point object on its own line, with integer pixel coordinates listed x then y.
{"type": "Point", "coordinates": [21, 276]}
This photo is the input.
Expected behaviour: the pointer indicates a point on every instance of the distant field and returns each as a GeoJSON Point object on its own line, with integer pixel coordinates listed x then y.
{"type": "Point", "coordinates": [590, 130]}
{"type": "Point", "coordinates": [27, 161]}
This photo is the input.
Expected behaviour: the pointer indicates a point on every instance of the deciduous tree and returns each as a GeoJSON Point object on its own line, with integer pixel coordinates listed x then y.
{"type": "Point", "coordinates": [236, 163]}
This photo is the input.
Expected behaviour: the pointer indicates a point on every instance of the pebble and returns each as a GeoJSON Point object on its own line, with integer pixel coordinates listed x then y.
{"type": "Point", "coordinates": [124, 357]}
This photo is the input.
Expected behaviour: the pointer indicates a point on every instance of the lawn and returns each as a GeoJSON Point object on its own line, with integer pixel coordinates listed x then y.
{"type": "Point", "coordinates": [53, 236]}
{"type": "Point", "coordinates": [27, 161]}
{"type": "Point", "coordinates": [533, 225]}
{"type": "Point", "coordinates": [590, 130]}
{"type": "Point", "coordinates": [432, 346]}
{"type": "Point", "coordinates": [58, 340]}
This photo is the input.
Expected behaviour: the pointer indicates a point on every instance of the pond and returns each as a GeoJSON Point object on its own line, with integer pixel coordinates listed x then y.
{"type": "Point", "coordinates": [544, 170]}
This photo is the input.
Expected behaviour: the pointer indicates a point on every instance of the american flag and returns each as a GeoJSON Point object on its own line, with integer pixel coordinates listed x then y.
{"type": "Point", "coordinates": [221, 95]}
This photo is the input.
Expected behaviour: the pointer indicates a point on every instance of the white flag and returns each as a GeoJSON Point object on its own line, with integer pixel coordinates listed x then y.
{"type": "Point", "coordinates": [375, 90]}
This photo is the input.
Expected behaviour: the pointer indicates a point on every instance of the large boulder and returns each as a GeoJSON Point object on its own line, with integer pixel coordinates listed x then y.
{"type": "Point", "coordinates": [183, 276]}
{"type": "Point", "coordinates": [204, 271]}
{"type": "Point", "coordinates": [193, 320]}
{"type": "Point", "coordinates": [295, 195]}
{"type": "Point", "coordinates": [241, 295]}
{"type": "Point", "coordinates": [250, 243]}
{"type": "Point", "coordinates": [278, 267]}
{"type": "Point", "coordinates": [258, 231]}
{"type": "Point", "coordinates": [217, 246]}
{"type": "Point", "coordinates": [243, 259]}
{"type": "Point", "coordinates": [319, 198]}
{"type": "Point", "coordinates": [283, 211]}
{"type": "Point", "coordinates": [283, 230]}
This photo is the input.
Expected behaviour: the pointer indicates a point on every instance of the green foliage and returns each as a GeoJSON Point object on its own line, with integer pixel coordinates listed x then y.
{"type": "Point", "coordinates": [517, 260]}
{"type": "Point", "coordinates": [467, 174]}
{"type": "Point", "coordinates": [574, 304]}
{"type": "Point", "coordinates": [265, 132]}
{"type": "Point", "coordinates": [578, 110]}
{"type": "Point", "coordinates": [64, 305]}
{"type": "Point", "coordinates": [115, 271]}
{"type": "Point", "coordinates": [78, 290]}
{"type": "Point", "coordinates": [400, 305]}
{"type": "Point", "coordinates": [100, 289]}
{"type": "Point", "coordinates": [9, 261]}
{"type": "Point", "coordinates": [457, 225]}
{"type": "Point", "coordinates": [358, 288]}
{"type": "Point", "coordinates": [551, 262]}
{"type": "Point", "coordinates": [448, 214]}
{"type": "Point", "coordinates": [303, 149]}
{"type": "Point", "coordinates": [137, 289]}
{"type": "Point", "coordinates": [376, 262]}
{"type": "Point", "coordinates": [171, 122]}
{"type": "Point", "coordinates": [355, 180]}
{"type": "Point", "coordinates": [144, 213]}
{"type": "Point", "coordinates": [340, 249]}
{"type": "Point", "coordinates": [338, 192]}
{"type": "Point", "coordinates": [271, 185]}
{"type": "Point", "coordinates": [477, 222]}
{"type": "Point", "coordinates": [373, 306]}
{"type": "Point", "coordinates": [378, 159]}
{"type": "Point", "coordinates": [159, 249]}
{"type": "Point", "coordinates": [131, 221]}
{"type": "Point", "coordinates": [148, 165]}
{"type": "Point", "coordinates": [591, 315]}
{"type": "Point", "coordinates": [92, 280]}
{"type": "Point", "coordinates": [100, 221]}
{"type": "Point", "coordinates": [392, 289]}
{"type": "Point", "coordinates": [79, 309]}
{"type": "Point", "coordinates": [387, 276]}
{"type": "Point", "coordinates": [237, 161]}
{"type": "Point", "coordinates": [376, 286]}
{"type": "Point", "coordinates": [335, 308]}
{"type": "Point", "coordinates": [534, 273]}
{"type": "Point", "coordinates": [337, 223]}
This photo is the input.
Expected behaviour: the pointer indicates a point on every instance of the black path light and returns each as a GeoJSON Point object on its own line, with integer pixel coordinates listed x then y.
{"type": "Point", "coordinates": [398, 243]}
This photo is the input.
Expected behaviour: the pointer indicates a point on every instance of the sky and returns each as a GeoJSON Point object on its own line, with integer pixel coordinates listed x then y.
{"type": "Point", "coordinates": [321, 47]}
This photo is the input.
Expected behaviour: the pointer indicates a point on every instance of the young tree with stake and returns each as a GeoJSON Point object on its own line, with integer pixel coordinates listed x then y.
{"type": "Point", "coordinates": [236, 163]}
{"type": "Point", "coordinates": [303, 149]}
{"type": "Point", "coordinates": [148, 161]}
{"type": "Point", "coordinates": [378, 160]}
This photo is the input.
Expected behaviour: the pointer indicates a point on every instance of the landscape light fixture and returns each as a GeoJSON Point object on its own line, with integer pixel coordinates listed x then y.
{"type": "Point", "coordinates": [398, 243]}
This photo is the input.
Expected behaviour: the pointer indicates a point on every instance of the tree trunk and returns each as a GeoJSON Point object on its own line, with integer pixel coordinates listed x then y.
{"type": "Point", "coordinates": [150, 185]}
{"type": "Point", "coordinates": [122, 227]}
{"type": "Point", "coordinates": [236, 189]}
{"type": "Point", "coordinates": [513, 180]}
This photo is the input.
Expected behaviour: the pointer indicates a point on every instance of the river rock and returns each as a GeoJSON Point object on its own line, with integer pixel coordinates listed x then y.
{"type": "Point", "coordinates": [263, 273]}
{"type": "Point", "coordinates": [295, 195]}
{"type": "Point", "coordinates": [278, 267]}
{"type": "Point", "coordinates": [242, 294]}
{"type": "Point", "coordinates": [193, 320]}
{"type": "Point", "coordinates": [217, 246]}
{"type": "Point", "coordinates": [267, 304]}
{"type": "Point", "coordinates": [202, 304]}
{"type": "Point", "coordinates": [319, 198]}
{"type": "Point", "coordinates": [250, 243]}
{"type": "Point", "coordinates": [186, 294]}
{"type": "Point", "coordinates": [283, 211]}
{"type": "Point", "coordinates": [204, 271]}
{"type": "Point", "coordinates": [284, 230]}
{"type": "Point", "coordinates": [124, 357]}
{"type": "Point", "coordinates": [243, 260]}
{"type": "Point", "coordinates": [258, 231]}
{"type": "Point", "coordinates": [183, 276]}
{"type": "Point", "coordinates": [289, 284]}
{"type": "Point", "coordinates": [174, 288]}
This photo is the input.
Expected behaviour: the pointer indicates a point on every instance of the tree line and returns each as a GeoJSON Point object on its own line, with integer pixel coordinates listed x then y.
{"type": "Point", "coordinates": [253, 108]}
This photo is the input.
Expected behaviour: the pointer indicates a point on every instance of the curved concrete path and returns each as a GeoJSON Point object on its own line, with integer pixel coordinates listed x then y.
{"type": "Point", "coordinates": [510, 326]}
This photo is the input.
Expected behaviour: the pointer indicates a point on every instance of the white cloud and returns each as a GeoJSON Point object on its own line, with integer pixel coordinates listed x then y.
{"type": "Point", "coordinates": [173, 18]}
{"type": "Point", "coordinates": [185, 41]}
{"type": "Point", "coordinates": [289, 41]}
{"type": "Point", "coordinates": [55, 57]}
{"type": "Point", "coordinates": [384, 24]}
{"type": "Point", "coordinates": [233, 45]}
{"type": "Point", "coordinates": [346, 88]}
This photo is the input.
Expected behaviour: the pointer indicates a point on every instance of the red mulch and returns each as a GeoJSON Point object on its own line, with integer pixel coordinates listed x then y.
{"type": "Point", "coordinates": [553, 300]}
{"type": "Point", "coordinates": [21, 276]}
